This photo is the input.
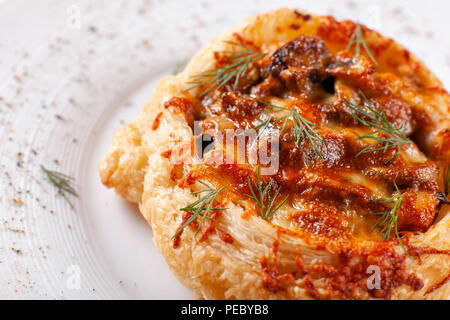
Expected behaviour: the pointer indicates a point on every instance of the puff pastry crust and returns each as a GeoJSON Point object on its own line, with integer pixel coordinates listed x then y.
{"type": "Point", "coordinates": [320, 243]}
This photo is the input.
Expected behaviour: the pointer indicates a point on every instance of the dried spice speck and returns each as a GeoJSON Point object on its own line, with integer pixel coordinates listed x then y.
{"type": "Point", "coordinates": [18, 251]}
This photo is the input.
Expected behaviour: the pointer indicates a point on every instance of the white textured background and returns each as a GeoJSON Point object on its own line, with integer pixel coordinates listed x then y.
{"type": "Point", "coordinates": [66, 84]}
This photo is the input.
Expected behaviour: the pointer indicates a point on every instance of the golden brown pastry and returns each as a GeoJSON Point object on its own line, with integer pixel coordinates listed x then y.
{"type": "Point", "coordinates": [355, 207]}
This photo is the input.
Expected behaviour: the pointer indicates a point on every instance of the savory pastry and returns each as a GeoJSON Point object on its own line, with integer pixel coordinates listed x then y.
{"type": "Point", "coordinates": [295, 157]}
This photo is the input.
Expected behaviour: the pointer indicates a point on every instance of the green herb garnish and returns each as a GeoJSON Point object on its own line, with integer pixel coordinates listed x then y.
{"type": "Point", "coordinates": [389, 218]}
{"type": "Point", "coordinates": [62, 182]}
{"type": "Point", "coordinates": [377, 119]}
{"type": "Point", "coordinates": [261, 196]}
{"type": "Point", "coordinates": [261, 127]}
{"type": "Point", "coordinates": [219, 77]}
{"type": "Point", "coordinates": [357, 39]}
{"type": "Point", "coordinates": [303, 128]}
{"type": "Point", "coordinates": [275, 108]}
{"type": "Point", "coordinates": [201, 207]}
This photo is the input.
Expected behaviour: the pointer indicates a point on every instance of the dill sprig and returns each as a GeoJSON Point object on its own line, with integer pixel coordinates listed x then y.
{"type": "Point", "coordinates": [447, 180]}
{"type": "Point", "coordinates": [303, 128]}
{"type": "Point", "coordinates": [389, 218]}
{"type": "Point", "coordinates": [377, 119]}
{"type": "Point", "coordinates": [260, 127]}
{"type": "Point", "coordinates": [202, 207]}
{"type": "Point", "coordinates": [219, 77]}
{"type": "Point", "coordinates": [62, 182]}
{"type": "Point", "coordinates": [358, 40]}
{"type": "Point", "coordinates": [263, 126]}
{"type": "Point", "coordinates": [261, 196]}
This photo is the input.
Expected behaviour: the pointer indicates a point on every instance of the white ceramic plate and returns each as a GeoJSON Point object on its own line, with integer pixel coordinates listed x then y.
{"type": "Point", "coordinates": [71, 73]}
